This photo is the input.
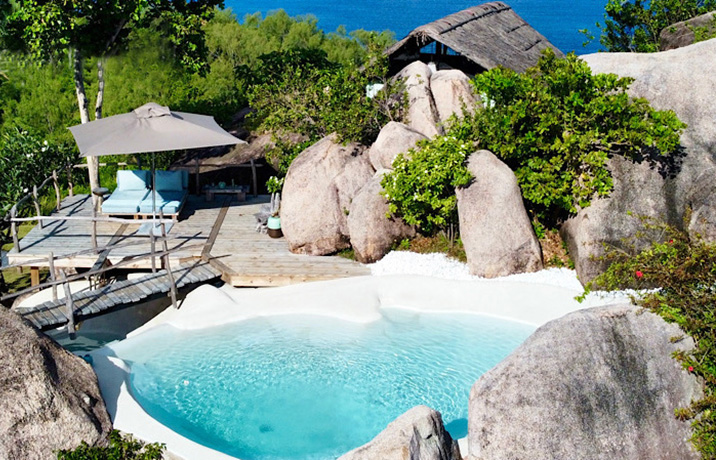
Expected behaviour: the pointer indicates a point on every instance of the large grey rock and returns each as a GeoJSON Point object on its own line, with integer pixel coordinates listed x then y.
{"type": "Point", "coordinates": [681, 80]}
{"type": "Point", "coordinates": [683, 33]}
{"type": "Point", "coordinates": [319, 186]}
{"type": "Point", "coordinates": [418, 434]}
{"type": "Point", "coordinates": [451, 91]}
{"type": "Point", "coordinates": [393, 139]}
{"type": "Point", "coordinates": [49, 398]}
{"type": "Point", "coordinates": [595, 384]}
{"type": "Point", "coordinates": [494, 226]}
{"type": "Point", "coordinates": [422, 113]}
{"type": "Point", "coordinates": [639, 190]}
{"type": "Point", "coordinates": [372, 233]}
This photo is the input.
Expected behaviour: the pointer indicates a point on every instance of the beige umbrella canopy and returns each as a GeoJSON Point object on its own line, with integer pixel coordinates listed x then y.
{"type": "Point", "coordinates": [149, 128]}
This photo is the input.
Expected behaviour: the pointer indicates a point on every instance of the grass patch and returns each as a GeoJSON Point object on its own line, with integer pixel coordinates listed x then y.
{"type": "Point", "coordinates": [554, 250]}
{"type": "Point", "coordinates": [347, 253]}
{"type": "Point", "coordinates": [431, 244]}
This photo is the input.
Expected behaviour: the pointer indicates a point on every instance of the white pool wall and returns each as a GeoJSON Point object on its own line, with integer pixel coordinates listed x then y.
{"type": "Point", "coordinates": [354, 299]}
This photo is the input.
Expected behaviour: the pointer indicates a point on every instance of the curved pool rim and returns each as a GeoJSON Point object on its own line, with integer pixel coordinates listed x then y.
{"type": "Point", "coordinates": [359, 299]}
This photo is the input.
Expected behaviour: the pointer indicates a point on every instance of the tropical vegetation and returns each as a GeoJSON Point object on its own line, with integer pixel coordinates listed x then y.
{"type": "Point", "coordinates": [555, 126]}
{"type": "Point", "coordinates": [635, 25]}
{"type": "Point", "coordinates": [682, 268]}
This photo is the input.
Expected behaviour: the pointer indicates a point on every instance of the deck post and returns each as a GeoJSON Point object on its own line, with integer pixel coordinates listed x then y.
{"type": "Point", "coordinates": [34, 276]}
{"type": "Point", "coordinates": [94, 228]}
{"type": "Point", "coordinates": [13, 228]}
{"type": "Point", "coordinates": [37, 205]}
{"type": "Point", "coordinates": [58, 194]}
{"type": "Point", "coordinates": [70, 185]}
{"type": "Point", "coordinates": [153, 249]}
{"type": "Point", "coordinates": [70, 312]}
{"type": "Point", "coordinates": [53, 277]}
{"type": "Point", "coordinates": [254, 178]}
{"type": "Point", "coordinates": [167, 267]}
{"type": "Point", "coordinates": [196, 175]}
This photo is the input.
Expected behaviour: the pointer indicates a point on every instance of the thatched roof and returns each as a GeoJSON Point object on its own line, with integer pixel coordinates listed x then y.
{"type": "Point", "coordinates": [489, 35]}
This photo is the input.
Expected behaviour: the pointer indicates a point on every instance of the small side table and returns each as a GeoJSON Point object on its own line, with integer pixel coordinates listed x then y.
{"type": "Point", "coordinates": [100, 193]}
{"type": "Point", "coordinates": [238, 190]}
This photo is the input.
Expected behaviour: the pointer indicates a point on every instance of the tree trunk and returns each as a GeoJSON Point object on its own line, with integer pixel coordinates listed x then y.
{"type": "Point", "coordinates": [100, 90]}
{"type": "Point", "coordinates": [92, 168]}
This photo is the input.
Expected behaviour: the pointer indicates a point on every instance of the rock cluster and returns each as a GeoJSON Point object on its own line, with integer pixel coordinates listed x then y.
{"type": "Point", "coordinates": [49, 398]}
{"type": "Point", "coordinates": [332, 194]}
{"type": "Point", "coordinates": [680, 80]}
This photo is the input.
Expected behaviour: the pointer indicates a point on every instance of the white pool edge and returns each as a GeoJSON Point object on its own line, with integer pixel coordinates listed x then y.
{"type": "Point", "coordinates": [361, 299]}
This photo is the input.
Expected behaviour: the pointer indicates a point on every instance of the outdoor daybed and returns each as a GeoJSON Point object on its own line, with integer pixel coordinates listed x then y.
{"type": "Point", "coordinates": [133, 195]}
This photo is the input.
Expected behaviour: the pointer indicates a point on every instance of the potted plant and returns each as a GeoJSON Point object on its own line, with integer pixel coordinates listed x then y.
{"type": "Point", "coordinates": [274, 186]}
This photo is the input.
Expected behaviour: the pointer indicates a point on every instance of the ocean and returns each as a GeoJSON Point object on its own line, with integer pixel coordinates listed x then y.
{"type": "Point", "coordinates": [558, 20]}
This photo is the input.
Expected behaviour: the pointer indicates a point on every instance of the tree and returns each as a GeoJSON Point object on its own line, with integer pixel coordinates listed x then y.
{"type": "Point", "coordinates": [635, 25]}
{"type": "Point", "coordinates": [86, 28]}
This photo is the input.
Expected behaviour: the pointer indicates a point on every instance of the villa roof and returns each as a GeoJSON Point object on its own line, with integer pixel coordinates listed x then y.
{"type": "Point", "coordinates": [490, 35]}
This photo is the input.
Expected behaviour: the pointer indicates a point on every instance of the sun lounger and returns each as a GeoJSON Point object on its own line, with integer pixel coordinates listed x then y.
{"type": "Point", "coordinates": [132, 188]}
{"type": "Point", "coordinates": [171, 192]}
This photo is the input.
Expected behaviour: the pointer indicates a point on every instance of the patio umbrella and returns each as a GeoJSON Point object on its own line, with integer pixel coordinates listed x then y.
{"type": "Point", "coordinates": [149, 128]}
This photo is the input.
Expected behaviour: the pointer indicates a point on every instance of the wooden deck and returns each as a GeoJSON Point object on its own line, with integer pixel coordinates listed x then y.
{"type": "Point", "coordinates": [114, 296]}
{"type": "Point", "coordinates": [222, 231]}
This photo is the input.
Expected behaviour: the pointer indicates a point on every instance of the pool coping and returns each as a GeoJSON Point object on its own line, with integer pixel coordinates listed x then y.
{"type": "Point", "coordinates": [361, 300]}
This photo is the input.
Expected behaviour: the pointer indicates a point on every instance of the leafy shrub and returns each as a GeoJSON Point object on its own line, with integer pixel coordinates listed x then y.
{"type": "Point", "coordinates": [301, 91]}
{"type": "Point", "coordinates": [556, 126]}
{"type": "Point", "coordinates": [684, 271]}
{"type": "Point", "coordinates": [120, 448]}
{"type": "Point", "coordinates": [421, 187]}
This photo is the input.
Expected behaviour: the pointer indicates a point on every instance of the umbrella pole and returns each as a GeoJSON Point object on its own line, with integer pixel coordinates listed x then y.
{"type": "Point", "coordinates": [154, 196]}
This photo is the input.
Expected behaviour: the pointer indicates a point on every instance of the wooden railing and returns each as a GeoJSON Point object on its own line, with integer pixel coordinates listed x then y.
{"type": "Point", "coordinates": [65, 280]}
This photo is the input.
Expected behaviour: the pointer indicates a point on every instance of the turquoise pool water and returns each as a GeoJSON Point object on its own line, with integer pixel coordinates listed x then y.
{"type": "Point", "coordinates": [307, 387]}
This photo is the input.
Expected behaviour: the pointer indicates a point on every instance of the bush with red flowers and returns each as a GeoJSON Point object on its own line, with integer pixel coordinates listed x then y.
{"type": "Point", "coordinates": [683, 271]}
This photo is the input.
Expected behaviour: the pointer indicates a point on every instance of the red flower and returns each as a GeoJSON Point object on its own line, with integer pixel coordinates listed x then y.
{"type": "Point", "coordinates": [691, 368]}
{"type": "Point", "coordinates": [671, 241]}
{"type": "Point", "coordinates": [639, 274]}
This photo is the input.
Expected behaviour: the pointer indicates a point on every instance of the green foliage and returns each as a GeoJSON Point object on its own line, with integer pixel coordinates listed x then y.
{"type": "Point", "coordinates": [301, 91]}
{"type": "Point", "coordinates": [706, 32]}
{"type": "Point", "coordinates": [635, 25]}
{"type": "Point", "coordinates": [439, 243]}
{"type": "Point", "coordinates": [421, 187]}
{"type": "Point", "coordinates": [274, 184]}
{"type": "Point", "coordinates": [557, 124]}
{"type": "Point", "coordinates": [120, 448]}
{"type": "Point", "coordinates": [48, 29]}
{"type": "Point", "coordinates": [684, 271]}
{"type": "Point", "coordinates": [26, 160]}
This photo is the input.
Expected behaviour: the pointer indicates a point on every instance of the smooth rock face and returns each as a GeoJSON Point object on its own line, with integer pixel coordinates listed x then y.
{"type": "Point", "coordinates": [372, 234]}
{"type": "Point", "coordinates": [317, 193]}
{"type": "Point", "coordinates": [494, 226]}
{"type": "Point", "coordinates": [393, 139]}
{"type": "Point", "coordinates": [451, 90]}
{"type": "Point", "coordinates": [682, 33]}
{"type": "Point", "coordinates": [418, 434]}
{"type": "Point", "coordinates": [596, 384]}
{"type": "Point", "coordinates": [682, 80]}
{"type": "Point", "coordinates": [422, 113]}
{"type": "Point", "coordinates": [49, 398]}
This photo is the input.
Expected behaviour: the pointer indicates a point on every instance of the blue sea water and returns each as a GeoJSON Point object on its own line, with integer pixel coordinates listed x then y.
{"type": "Point", "coordinates": [558, 20]}
{"type": "Point", "coordinates": [311, 388]}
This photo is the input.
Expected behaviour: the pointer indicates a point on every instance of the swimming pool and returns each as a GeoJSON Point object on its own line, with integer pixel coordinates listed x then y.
{"type": "Point", "coordinates": [313, 387]}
